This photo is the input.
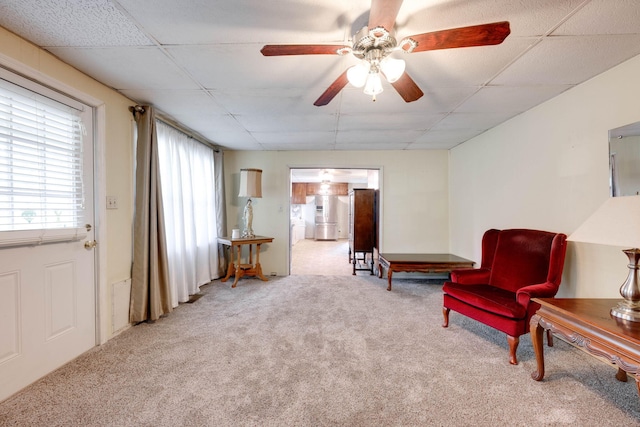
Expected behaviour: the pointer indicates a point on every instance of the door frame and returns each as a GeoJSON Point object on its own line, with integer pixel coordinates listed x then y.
{"type": "Point", "coordinates": [380, 170]}
{"type": "Point", "coordinates": [99, 184]}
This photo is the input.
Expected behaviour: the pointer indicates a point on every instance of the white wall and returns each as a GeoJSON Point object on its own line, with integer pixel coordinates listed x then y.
{"type": "Point", "coordinates": [548, 169]}
{"type": "Point", "coordinates": [413, 184]}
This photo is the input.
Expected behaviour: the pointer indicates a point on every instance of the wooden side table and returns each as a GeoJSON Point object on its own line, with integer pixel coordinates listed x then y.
{"type": "Point", "coordinates": [587, 323]}
{"type": "Point", "coordinates": [235, 265]}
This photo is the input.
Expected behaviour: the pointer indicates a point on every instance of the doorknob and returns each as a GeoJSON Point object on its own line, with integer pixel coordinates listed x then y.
{"type": "Point", "coordinates": [90, 244]}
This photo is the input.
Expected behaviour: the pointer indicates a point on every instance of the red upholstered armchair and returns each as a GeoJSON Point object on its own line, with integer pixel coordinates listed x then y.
{"type": "Point", "coordinates": [517, 265]}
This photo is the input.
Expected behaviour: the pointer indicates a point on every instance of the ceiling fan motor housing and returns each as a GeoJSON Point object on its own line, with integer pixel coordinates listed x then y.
{"type": "Point", "coordinates": [373, 44]}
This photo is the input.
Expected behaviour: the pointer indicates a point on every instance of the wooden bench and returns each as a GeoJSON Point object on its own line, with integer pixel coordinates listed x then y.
{"type": "Point", "coordinates": [420, 263]}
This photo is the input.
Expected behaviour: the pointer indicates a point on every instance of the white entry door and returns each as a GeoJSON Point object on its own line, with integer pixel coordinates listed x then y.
{"type": "Point", "coordinates": [47, 293]}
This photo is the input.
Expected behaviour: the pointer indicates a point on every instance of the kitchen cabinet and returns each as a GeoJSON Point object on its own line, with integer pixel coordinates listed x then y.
{"type": "Point", "coordinates": [335, 189]}
{"type": "Point", "coordinates": [298, 193]}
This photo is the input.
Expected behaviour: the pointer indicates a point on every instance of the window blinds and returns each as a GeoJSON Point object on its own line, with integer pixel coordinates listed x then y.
{"type": "Point", "coordinates": [41, 180]}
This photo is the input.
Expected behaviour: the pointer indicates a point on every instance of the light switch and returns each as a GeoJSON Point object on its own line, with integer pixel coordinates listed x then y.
{"type": "Point", "coordinates": [112, 202]}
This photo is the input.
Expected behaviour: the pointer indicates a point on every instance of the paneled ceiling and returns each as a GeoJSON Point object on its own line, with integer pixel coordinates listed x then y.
{"type": "Point", "coordinates": [199, 63]}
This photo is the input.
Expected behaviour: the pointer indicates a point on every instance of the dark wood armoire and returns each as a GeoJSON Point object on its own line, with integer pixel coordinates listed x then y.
{"type": "Point", "coordinates": [363, 228]}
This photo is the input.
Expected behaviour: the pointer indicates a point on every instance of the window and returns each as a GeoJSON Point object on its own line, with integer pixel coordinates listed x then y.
{"type": "Point", "coordinates": [41, 163]}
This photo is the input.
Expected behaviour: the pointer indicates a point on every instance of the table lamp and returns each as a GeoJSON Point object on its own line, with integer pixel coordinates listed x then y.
{"type": "Point", "coordinates": [250, 186]}
{"type": "Point", "coordinates": [617, 223]}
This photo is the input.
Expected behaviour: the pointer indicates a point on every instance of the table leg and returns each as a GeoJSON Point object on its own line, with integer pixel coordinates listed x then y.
{"type": "Point", "coordinates": [258, 267]}
{"type": "Point", "coordinates": [389, 271]}
{"type": "Point", "coordinates": [537, 332]}
{"type": "Point", "coordinates": [238, 269]}
{"type": "Point", "coordinates": [230, 267]}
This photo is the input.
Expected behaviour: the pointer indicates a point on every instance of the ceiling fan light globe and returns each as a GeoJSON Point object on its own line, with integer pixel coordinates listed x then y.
{"type": "Point", "coordinates": [392, 68]}
{"type": "Point", "coordinates": [373, 85]}
{"type": "Point", "coordinates": [357, 75]}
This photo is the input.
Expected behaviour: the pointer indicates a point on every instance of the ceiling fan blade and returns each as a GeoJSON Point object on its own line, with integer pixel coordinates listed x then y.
{"type": "Point", "coordinates": [407, 88]}
{"type": "Point", "coordinates": [383, 13]}
{"type": "Point", "coordinates": [476, 35]}
{"type": "Point", "coordinates": [332, 90]}
{"type": "Point", "coordinates": [300, 49]}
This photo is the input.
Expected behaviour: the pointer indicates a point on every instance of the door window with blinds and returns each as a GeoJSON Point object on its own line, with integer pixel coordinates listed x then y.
{"type": "Point", "coordinates": [41, 164]}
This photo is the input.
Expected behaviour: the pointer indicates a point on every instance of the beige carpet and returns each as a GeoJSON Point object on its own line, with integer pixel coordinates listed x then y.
{"type": "Point", "coordinates": [316, 351]}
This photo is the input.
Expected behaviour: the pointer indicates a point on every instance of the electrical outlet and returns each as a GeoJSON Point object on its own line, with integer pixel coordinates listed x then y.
{"type": "Point", "coordinates": [112, 202]}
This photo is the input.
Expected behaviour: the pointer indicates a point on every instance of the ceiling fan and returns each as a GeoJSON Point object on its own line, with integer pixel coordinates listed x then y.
{"type": "Point", "coordinates": [373, 45]}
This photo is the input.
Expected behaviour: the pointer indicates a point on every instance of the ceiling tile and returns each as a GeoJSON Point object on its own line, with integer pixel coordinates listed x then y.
{"type": "Point", "coordinates": [354, 122]}
{"type": "Point", "coordinates": [268, 122]}
{"type": "Point", "coordinates": [472, 121]}
{"type": "Point", "coordinates": [569, 60]}
{"type": "Point", "coordinates": [465, 67]}
{"type": "Point", "coordinates": [443, 139]}
{"type": "Point", "coordinates": [128, 67]}
{"type": "Point", "coordinates": [364, 137]}
{"type": "Point", "coordinates": [527, 17]}
{"type": "Point", "coordinates": [176, 102]}
{"type": "Point", "coordinates": [235, 67]}
{"type": "Point", "coordinates": [589, 19]}
{"type": "Point", "coordinates": [245, 21]}
{"type": "Point", "coordinates": [74, 23]}
{"type": "Point", "coordinates": [317, 138]}
{"type": "Point", "coordinates": [209, 123]}
{"type": "Point", "coordinates": [281, 101]}
{"type": "Point", "coordinates": [515, 99]}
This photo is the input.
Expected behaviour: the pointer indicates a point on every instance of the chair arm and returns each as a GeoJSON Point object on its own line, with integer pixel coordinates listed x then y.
{"type": "Point", "coordinates": [540, 290]}
{"type": "Point", "coordinates": [470, 276]}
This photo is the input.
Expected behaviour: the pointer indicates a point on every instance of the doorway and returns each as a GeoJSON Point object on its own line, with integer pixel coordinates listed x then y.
{"type": "Point", "coordinates": [311, 252]}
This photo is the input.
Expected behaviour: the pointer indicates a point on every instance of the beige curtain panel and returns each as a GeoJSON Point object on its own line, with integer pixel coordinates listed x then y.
{"type": "Point", "coordinates": [150, 294]}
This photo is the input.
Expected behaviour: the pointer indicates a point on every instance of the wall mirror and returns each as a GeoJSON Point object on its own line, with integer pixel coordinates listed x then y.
{"type": "Point", "coordinates": [624, 160]}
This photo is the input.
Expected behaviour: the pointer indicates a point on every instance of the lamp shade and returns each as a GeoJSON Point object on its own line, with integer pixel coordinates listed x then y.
{"type": "Point", "coordinates": [615, 223]}
{"type": "Point", "coordinates": [357, 75]}
{"type": "Point", "coordinates": [392, 68]}
{"type": "Point", "coordinates": [250, 183]}
{"type": "Point", "coordinates": [373, 85]}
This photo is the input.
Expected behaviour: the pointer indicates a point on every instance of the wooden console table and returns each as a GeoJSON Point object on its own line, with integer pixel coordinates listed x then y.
{"type": "Point", "coordinates": [587, 323]}
{"type": "Point", "coordinates": [423, 263]}
{"type": "Point", "coordinates": [236, 266]}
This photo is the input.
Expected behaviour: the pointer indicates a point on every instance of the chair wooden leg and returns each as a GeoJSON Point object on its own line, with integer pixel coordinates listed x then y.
{"type": "Point", "coordinates": [513, 347]}
{"type": "Point", "coordinates": [445, 314]}
{"type": "Point", "coordinates": [549, 338]}
{"type": "Point", "coordinates": [621, 375]}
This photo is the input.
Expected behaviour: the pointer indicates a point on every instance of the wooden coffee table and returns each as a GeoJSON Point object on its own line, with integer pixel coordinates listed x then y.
{"type": "Point", "coordinates": [586, 323]}
{"type": "Point", "coordinates": [421, 263]}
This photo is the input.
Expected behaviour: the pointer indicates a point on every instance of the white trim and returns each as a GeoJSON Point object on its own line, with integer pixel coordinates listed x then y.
{"type": "Point", "coordinates": [100, 212]}
{"type": "Point", "coordinates": [380, 170]}
{"type": "Point", "coordinates": [26, 71]}
{"type": "Point", "coordinates": [40, 89]}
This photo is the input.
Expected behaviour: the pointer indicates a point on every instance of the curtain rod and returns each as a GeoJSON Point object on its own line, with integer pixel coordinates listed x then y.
{"type": "Point", "coordinates": [169, 122]}
{"type": "Point", "coordinates": [187, 132]}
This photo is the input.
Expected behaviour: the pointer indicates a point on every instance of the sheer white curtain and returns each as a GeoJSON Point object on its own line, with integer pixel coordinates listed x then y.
{"type": "Point", "coordinates": [188, 188]}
